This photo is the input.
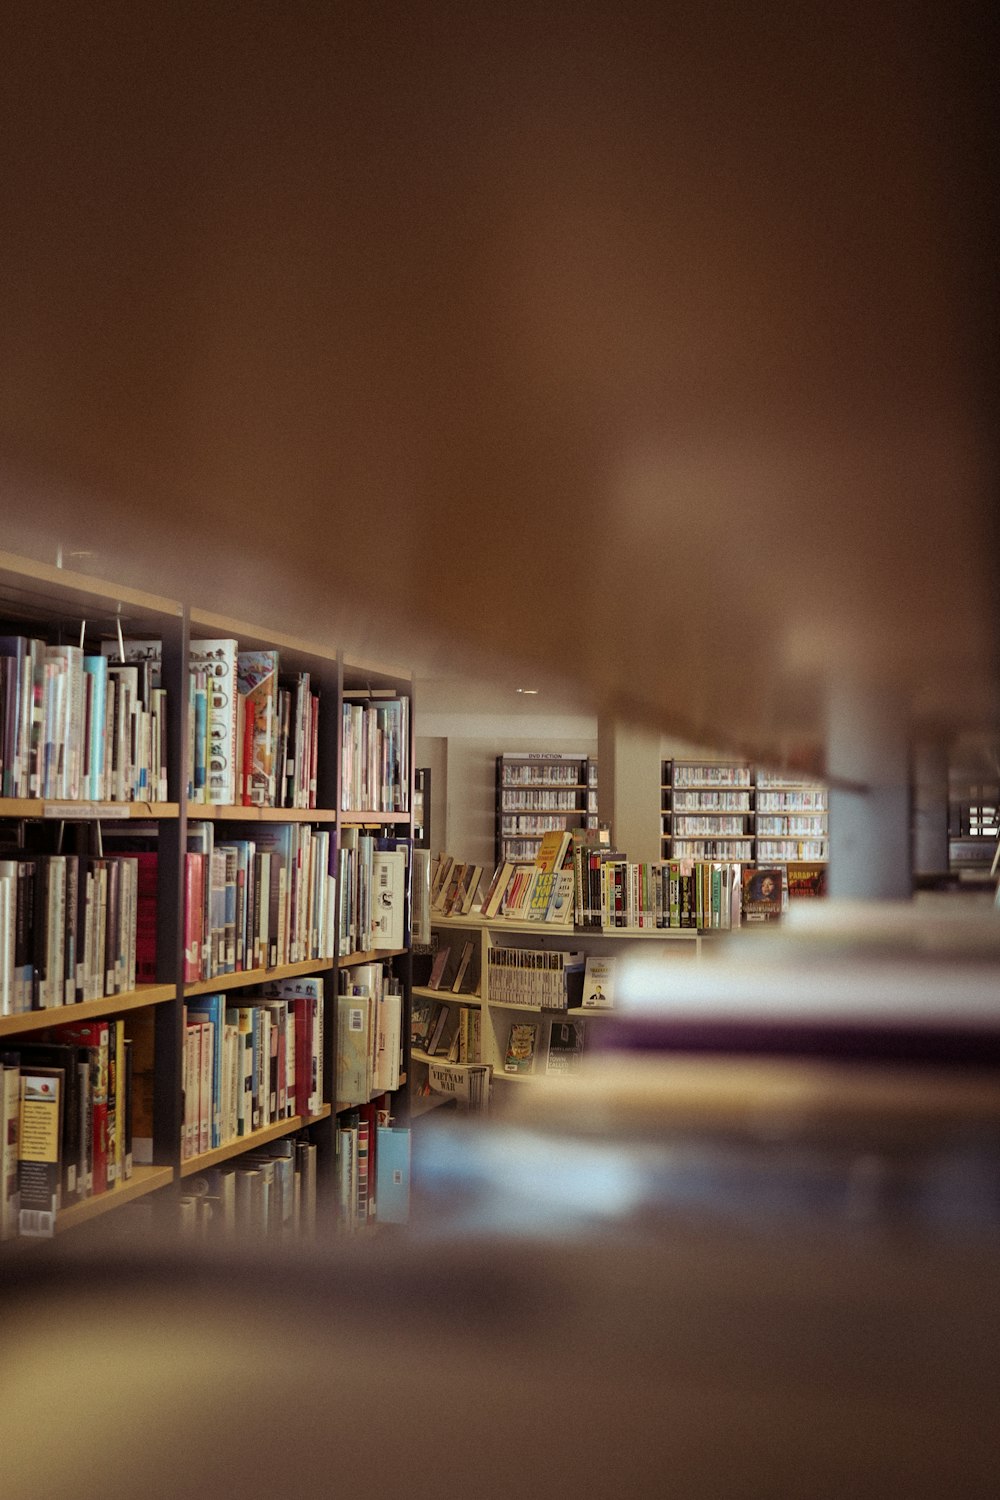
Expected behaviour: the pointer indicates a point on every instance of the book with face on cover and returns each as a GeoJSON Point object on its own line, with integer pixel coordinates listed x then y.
{"type": "Point", "coordinates": [762, 895]}
{"type": "Point", "coordinates": [599, 983]}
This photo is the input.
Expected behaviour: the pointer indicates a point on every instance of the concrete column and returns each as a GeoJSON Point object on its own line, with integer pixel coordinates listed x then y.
{"type": "Point", "coordinates": [930, 809]}
{"type": "Point", "coordinates": [628, 781]}
{"type": "Point", "coordinates": [870, 842]}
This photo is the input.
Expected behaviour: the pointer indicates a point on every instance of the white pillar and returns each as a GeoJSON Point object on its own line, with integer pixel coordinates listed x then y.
{"type": "Point", "coordinates": [930, 809]}
{"type": "Point", "coordinates": [870, 841]}
{"type": "Point", "coordinates": [628, 782]}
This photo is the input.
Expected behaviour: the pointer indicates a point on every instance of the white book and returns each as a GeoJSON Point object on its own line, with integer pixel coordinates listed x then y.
{"type": "Point", "coordinates": [389, 877]}
{"type": "Point", "coordinates": [599, 983]}
{"type": "Point", "coordinates": [8, 913]}
{"type": "Point", "coordinates": [218, 658]}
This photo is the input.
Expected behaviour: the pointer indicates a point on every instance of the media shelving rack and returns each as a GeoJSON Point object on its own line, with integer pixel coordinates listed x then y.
{"type": "Point", "coordinates": [537, 792]}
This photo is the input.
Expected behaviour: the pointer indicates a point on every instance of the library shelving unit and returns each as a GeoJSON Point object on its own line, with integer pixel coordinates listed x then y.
{"type": "Point", "coordinates": [792, 819]}
{"type": "Point", "coordinates": [731, 810]}
{"type": "Point", "coordinates": [498, 1012]}
{"type": "Point", "coordinates": [707, 810]}
{"type": "Point", "coordinates": [537, 792]}
{"type": "Point", "coordinates": [60, 609]}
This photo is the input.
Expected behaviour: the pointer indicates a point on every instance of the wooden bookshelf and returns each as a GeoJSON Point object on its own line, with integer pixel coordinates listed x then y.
{"type": "Point", "coordinates": [426, 993]}
{"type": "Point", "coordinates": [143, 1180]}
{"type": "Point", "coordinates": [217, 813]}
{"type": "Point", "coordinates": [242, 1144]}
{"type": "Point", "coordinates": [40, 602]}
{"type": "Point", "coordinates": [524, 777]}
{"type": "Point", "coordinates": [87, 1010]}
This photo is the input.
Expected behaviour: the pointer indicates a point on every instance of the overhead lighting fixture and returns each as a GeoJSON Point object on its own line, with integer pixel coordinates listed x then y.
{"type": "Point", "coordinates": [530, 692]}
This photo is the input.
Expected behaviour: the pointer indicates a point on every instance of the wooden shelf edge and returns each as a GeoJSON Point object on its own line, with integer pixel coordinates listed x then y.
{"type": "Point", "coordinates": [373, 817]}
{"type": "Point", "coordinates": [257, 976]}
{"type": "Point", "coordinates": [110, 1005]}
{"type": "Point", "coordinates": [461, 998]}
{"type": "Point", "coordinates": [143, 1180]}
{"type": "Point", "coordinates": [245, 1143]}
{"type": "Point", "coordinates": [372, 956]}
{"type": "Point", "coordinates": [51, 809]}
{"type": "Point", "coordinates": [218, 812]}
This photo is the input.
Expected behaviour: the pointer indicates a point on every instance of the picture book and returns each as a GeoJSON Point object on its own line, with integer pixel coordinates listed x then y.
{"type": "Point", "coordinates": [520, 1054]}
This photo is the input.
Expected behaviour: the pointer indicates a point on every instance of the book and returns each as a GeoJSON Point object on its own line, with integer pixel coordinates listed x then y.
{"type": "Point", "coordinates": [519, 1055]}
{"type": "Point", "coordinates": [552, 850]}
{"type": "Point", "coordinates": [39, 1139]}
{"type": "Point", "coordinates": [599, 983]}
{"type": "Point", "coordinates": [560, 908]}
{"type": "Point", "coordinates": [805, 880]}
{"type": "Point", "coordinates": [497, 890]}
{"type": "Point", "coordinates": [762, 895]}
{"type": "Point", "coordinates": [217, 658]}
{"type": "Point", "coordinates": [438, 969]}
{"type": "Point", "coordinates": [257, 684]}
{"type": "Point", "coordinates": [565, 1048]}
{"type": "Point", "coordinates": [468, 949]}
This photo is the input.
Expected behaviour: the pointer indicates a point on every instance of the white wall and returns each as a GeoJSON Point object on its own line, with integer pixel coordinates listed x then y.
{"type": "Point", "coordinates": [461, 750]}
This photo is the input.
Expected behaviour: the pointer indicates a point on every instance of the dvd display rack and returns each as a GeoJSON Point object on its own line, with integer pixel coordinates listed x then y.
{"type": "Point", "coordinates": [732, 810]}
{"type": "Point", "coordinates": [538, 792]}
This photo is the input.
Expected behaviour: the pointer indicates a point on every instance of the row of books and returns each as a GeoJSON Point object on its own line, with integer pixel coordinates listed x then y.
{"type": "Point", "coordinates": [709, 801]}
{"type": "Point", "coordinates": [664, 894]}
{"type": "Point", "coordinates": [253, 736]}
{"type": "Point", "coordinates": [685, 824]}
{"type": "Point", "coordinates": [66, 1121]}
{"type": "Point", "coordinates": [78, 726]}
{"type": "Point", "coordinates": [372, 1168]}
{"type": "Point", "coordinates": [375, 755]}
{"type": "Point", "coordinates": [450, 1031]}
{"type": "Point", "coordinates": [250, 1065]}
{"type": "Point", "coordinates": [538, 799]}
{"type": "Point", "coordinates": [791, 825]}
{"type": "Point", "coordinates": [563, 1050]}
{"type": "Point", "coordinates": [454, 886]}
{"type": "Point", "coordinates": [731, 849]}
{"type": "Point", "coordinates": [374, 892]}
{"type": "Point", "coordinates": [524, 825]}
{"type": "Point", "coordinates": [705, 774]}
{"type": "Point", "coordinates": [73, 928]}
{"type": "Point", "coordinates": [534, 978]}
{"type": "Point", "coordinates": [464, 978]}
{"type": "Point", "coordinates": [547, 771]}
{"type": "Point", "coordinates": [793, 849]}
{"type": "Point", "coordinates": [369, 1034]}
{"type": "Point", "coordinates": [255, 903]}
{"type": "Point", "coordinates": [269, 1192]}
{"type": "Point", "coordinates": [804, 799]}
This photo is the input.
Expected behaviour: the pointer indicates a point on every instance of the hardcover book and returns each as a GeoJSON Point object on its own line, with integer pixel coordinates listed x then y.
{"type": "Point", "coordinates": [218, 660]}
{"type": "Point", "coordinates": [257, 682]}
{"type": "Point", "coordinates": [806, 880]}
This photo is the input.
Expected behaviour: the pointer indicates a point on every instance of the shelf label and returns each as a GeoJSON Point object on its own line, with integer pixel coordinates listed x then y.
{"type": "Point", "coordinates": [76, 810]}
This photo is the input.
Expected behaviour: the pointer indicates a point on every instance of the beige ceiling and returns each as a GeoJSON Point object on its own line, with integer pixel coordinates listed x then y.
{"type": "Point", "coordinates": [643, 345]}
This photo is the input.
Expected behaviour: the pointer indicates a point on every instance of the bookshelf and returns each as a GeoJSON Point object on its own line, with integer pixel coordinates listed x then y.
{"type": "Point", "coordinates": [539, 792]}
{"type": "Point", "coordinates": [500, 1010]}
{"type": "Point", "coordinates": [161, 817]}
{"type": "Point", "coordinates": [732, 810]}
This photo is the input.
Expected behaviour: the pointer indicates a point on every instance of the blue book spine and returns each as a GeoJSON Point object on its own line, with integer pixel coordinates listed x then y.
{"type": "Point", "coordinates": [96, 667]}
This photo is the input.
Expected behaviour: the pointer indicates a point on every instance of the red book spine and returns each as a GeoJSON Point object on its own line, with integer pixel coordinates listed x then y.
{"type": "Point", "coordinates": [145, 922]}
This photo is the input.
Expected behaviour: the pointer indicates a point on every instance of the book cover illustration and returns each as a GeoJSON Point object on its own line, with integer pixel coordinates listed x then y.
{"type": "Point", "coordinates": [438, 969]}
{"type": "Point", "coordinates": [599, 983]}
{"type": "Point", "coordinates": [806, 880]}
{"type": "Point", "coordinates": [257, 682]}
{"type": "Point", "coordinates": [762, 895]}
{"type": "Point", "coordinates": [565, 1047]}
{"type": "Point", "coordinates": [520, 1054]}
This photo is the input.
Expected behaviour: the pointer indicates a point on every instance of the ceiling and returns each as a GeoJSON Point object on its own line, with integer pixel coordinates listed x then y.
{"type": "Point", "coordinates": [644, 346]}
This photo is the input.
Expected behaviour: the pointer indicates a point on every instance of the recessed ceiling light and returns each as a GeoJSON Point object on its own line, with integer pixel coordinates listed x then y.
{"type": "Point", "coordinates": [529, 691]}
